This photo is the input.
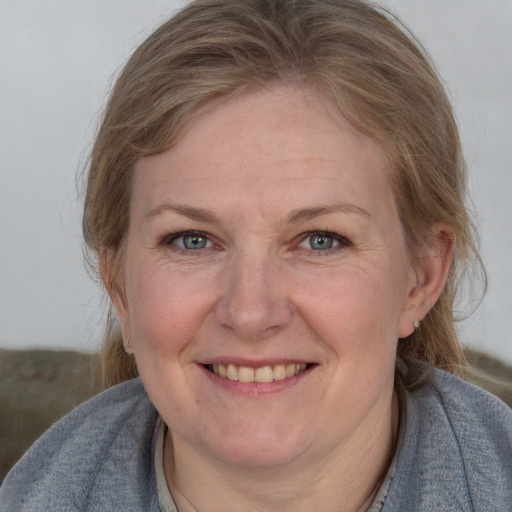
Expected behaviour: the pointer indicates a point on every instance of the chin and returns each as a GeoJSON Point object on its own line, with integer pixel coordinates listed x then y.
{"type": "Point", "coordinates": [257, 458]}
{"type": "Point", "coordinates": [259, 448]}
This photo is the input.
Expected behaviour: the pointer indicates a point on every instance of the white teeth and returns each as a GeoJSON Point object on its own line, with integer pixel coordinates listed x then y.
{"type": "Point", "coordinates": [290, 370]}
{"type": "Point", "coordinates": [279, 372]}
{"type": "Point", "coordinates": [261, 374]}
{"type": "Point", "coordinates": [265, 374]}
{"type": "Point", "coordinates": [245, 374]}
{"type": "Point", "coordinates": [232, 372]}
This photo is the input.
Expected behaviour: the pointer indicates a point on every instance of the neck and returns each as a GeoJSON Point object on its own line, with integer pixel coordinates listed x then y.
{"type": "Point", "coordinates": [341, 479]}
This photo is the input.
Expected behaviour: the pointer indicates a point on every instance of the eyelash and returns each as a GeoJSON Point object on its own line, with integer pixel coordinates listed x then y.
{"type": "Point", "coordinates": [342, 242]}
{"type": "Point", "coordinates": [172, 238]}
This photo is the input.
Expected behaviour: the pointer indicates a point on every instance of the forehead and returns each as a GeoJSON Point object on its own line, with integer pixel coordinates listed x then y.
{"type": "Point", "coordinates": [267, 143]}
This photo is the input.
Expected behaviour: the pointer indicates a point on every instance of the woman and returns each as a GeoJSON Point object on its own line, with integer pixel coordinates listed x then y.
{"type": "Point", "coordinates": [276, 203]}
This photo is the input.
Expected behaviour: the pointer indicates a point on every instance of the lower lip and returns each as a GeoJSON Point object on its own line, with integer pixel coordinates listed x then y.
{"type": "Point", "coordinates": [256, 388]}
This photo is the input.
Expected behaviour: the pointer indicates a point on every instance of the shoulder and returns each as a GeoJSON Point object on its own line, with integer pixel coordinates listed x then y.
{"type": "Point", "coordinates": [84, 457]}
{"type": "Point", "coordinates": [481, 423]}
{"type": "Point", "coordinates": [457, 449]}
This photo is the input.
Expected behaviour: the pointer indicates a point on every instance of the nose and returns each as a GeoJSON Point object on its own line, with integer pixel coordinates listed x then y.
{"type": "Point", "coordinates": [254, 303]}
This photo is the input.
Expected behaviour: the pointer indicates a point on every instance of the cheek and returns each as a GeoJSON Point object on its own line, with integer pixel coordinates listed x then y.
{"type": "Point", "coordinates": [165, 307]}
{"type": "Point", "coordinates": [354, 316]}
{"type": "Point", "coordinates": [354, 309]}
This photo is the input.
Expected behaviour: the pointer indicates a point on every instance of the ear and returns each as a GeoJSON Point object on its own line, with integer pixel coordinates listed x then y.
{"type": "Point", "coordinates": [429, 274]}
{"type": "Point", "coordinates": [110, 271]}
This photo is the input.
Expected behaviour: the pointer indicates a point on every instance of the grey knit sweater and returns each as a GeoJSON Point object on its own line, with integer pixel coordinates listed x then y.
{"type": "Point", "coordinates": [456, 455]}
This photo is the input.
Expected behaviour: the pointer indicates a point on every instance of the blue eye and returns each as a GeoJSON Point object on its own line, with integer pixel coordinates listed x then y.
{"type": "Point", "coordinates": [194, 242]}
{"type": "Point", "coordinates": [191, 241]}
{"type": "Point", "coordinates": [322, 242]}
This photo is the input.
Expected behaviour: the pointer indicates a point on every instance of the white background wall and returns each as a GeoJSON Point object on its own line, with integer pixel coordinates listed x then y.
{"type": "Point", "coordinates": [57, 60]}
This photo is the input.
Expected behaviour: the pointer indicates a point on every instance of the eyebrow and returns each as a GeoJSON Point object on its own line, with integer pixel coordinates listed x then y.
{"type": "Point", "coordinates": [305, 214]}
{"type": "Point", "coordinates": [296, 216]}
{"type": "Point", "coordinates": [197, 214]}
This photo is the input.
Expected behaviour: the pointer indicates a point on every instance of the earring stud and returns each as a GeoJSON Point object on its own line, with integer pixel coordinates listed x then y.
{"type": "Point", "coordinates": [126, 346]}
{"type": "Point", "coordinates": [416, 324]}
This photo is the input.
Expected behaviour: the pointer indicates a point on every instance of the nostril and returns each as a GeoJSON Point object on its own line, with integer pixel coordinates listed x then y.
{"type": "Point", "coordinates": [253, 305]}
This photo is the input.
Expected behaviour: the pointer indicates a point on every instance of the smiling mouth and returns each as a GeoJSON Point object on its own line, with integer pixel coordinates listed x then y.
{"type": "Point", "coordinates": [262, 374]}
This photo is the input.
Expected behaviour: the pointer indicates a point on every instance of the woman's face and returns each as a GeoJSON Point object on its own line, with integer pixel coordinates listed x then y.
{"type": "Point", "coordinates": [266, 245]}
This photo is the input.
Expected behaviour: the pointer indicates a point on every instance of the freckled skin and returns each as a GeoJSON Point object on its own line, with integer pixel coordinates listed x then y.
{"type": "Point", "coordinates": [259, 290]}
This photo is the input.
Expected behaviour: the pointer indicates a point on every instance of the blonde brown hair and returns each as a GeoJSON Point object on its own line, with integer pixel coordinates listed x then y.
{"type": "Point", "coordinates": [353, 55]}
